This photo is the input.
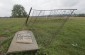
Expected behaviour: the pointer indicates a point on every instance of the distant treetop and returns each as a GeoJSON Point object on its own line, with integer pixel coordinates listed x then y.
{"type": "Point", "coordinates": [18, 11]}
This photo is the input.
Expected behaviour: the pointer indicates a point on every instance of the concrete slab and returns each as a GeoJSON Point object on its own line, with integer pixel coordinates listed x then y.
{"type": "Point", "coordinates": [23, 41]}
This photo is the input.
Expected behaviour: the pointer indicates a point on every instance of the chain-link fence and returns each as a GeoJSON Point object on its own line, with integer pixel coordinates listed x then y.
{"type": "Point", "coordinates": [47, 24]}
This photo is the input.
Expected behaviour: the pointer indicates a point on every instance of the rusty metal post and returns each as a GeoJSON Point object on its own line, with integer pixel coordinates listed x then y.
{"type": "Point", "coordinates": [28, 16]}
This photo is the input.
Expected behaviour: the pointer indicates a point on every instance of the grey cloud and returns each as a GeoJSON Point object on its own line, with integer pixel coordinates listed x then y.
{"type": "Point", "coordinates": [7, 5]}
{"type": "Point", "coordinates": [70, 2]}
{"type": "Point", "coordinates": [5, 8]}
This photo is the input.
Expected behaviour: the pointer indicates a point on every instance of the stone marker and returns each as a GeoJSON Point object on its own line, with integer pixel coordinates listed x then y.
{"type": "Point", "coordinates": [23, 41]}
{"type": "Point", "coordinates": [24, 37]}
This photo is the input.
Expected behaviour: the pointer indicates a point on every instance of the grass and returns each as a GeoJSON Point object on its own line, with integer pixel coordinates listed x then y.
{"type": "Point", "coordinates": [70, 41]}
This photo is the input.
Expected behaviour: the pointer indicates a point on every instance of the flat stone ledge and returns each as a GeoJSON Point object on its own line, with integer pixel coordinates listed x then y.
{"type": "Point", "coordinates": [23, 41]}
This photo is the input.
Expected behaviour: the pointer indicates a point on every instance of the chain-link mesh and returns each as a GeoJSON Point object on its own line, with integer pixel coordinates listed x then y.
{"type": "Point", "coordinates": [47, 24]}
{"type": "Point", "coordinates": [58, 14]}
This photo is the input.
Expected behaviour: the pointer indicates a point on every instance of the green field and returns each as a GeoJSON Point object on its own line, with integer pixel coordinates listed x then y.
{"type": "Point", "coordinates": [70, 41]}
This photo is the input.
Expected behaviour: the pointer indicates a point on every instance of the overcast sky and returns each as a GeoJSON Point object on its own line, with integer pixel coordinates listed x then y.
{"type": "Point", "coordinates": [7, 5]}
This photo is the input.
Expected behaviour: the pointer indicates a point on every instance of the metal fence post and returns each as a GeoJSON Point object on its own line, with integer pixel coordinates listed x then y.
{"type": "Point", "coordinates": [28, 16]}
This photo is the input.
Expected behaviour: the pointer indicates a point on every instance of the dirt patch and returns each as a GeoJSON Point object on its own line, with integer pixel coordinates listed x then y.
{"type": "Point", "coordinates": [2, 38]}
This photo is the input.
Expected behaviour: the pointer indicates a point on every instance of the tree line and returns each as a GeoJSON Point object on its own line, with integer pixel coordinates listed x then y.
{"type": "Point", "coordinates": [80, 15]}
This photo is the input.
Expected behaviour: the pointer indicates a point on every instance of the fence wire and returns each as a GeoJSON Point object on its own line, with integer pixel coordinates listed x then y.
{"type": "Point", "coordinates": [47, 24]}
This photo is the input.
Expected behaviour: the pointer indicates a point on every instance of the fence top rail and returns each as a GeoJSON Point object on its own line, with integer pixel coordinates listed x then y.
{"type": "Point", "coordinates": [54, 9]}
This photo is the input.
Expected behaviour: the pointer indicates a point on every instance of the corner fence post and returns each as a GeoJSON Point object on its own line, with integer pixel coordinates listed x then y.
{"type": "Point", "coordinates": [28, 16]}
